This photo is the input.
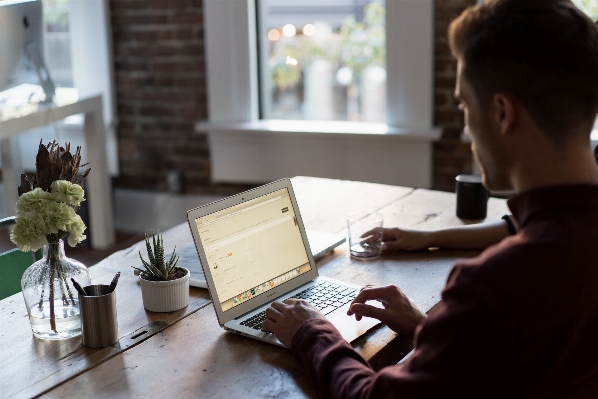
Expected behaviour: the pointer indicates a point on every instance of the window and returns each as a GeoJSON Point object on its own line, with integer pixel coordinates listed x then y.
{"type": "Point", "coordinates": [590, 7]}
{"type": "Point", "coordinates": [322, 60]}
{"type": "Point", "coordinates": [247, 147]}
{"type": "Point", "coordinates": [232, 37]}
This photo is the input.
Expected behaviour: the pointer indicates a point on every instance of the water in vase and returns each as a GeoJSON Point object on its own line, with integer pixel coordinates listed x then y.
{"type": "Point", "coordinates": [68, 320]}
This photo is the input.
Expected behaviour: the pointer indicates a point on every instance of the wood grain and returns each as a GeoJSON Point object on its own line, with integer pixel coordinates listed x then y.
{"type": "Point", "coordinates": [325, 203]}
{"type": "Point", "coordinates": [194, 358]}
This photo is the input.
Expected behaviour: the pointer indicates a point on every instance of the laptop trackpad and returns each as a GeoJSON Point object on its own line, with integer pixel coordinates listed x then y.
{"type": "Point", "coordinates": [350, 328]}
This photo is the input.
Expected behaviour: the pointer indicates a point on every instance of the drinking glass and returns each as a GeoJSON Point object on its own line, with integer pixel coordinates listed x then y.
{"type": "Point", "coordinates": [365, 234]}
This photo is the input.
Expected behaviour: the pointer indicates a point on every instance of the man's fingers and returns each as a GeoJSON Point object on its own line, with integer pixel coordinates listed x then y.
{"type": "Point", "coordinates": [269, 325]}
{"type": "Point", "coordinates": [390, 246]}
{"type": "Point", "coordinates": [389, 234]}
{"type": "Point", "coordinates": [282, 306]}
{"type": "Point", "coordinates": [278, 305]}
{"type": "Point", "coordinates": [273, 318]}
{"type": "Point", "coordinates": [273, 314]}
{"type": "Point", "coordinates": [371, 232]}
{"type": "Point", "coordinates": [369, 239]}
{"type": "Point", "coordinates": [361, 309]}
{"type": "Point", "coordinates": [373, 293]}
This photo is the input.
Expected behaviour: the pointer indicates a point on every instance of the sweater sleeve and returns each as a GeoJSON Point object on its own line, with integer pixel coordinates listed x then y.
{"type": "Point", "coordinates": [458, 354]}
{"type": "Point", "coordinates": [330, 362]}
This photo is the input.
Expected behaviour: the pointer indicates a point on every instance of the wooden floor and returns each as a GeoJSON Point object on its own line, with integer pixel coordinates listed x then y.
{"type": "Point", "coordinates": [86, 255]}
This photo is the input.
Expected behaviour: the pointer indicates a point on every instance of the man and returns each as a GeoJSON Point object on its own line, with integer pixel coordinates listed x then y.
{"type": "Point", "coordinates": [520, 320]}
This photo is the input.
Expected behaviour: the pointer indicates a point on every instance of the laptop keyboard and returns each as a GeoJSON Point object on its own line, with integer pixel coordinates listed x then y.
{"type": "Point", "coordinates": [325, 296]}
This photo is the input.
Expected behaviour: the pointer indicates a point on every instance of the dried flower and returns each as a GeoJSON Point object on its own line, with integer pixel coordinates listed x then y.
{"type": "Point", "coordinates": [54, 163]}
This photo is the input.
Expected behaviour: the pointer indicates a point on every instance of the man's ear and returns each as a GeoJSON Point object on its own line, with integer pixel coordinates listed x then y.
{"type": "Point", "coordinates": [504, 112]}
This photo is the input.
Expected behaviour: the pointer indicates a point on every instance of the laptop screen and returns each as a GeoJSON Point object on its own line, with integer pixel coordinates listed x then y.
{"type": "Point", "coordinates": [252, 247]}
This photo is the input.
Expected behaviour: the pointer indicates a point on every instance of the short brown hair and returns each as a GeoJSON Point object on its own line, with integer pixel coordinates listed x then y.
{"type": "Point", "coordinates": [543, 52]}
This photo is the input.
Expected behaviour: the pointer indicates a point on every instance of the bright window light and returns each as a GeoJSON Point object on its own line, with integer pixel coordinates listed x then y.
{"type": "Point", "coordinates": [333, 70]}
{"type": "Point", "coordinates": [309, 30]}
{"type": "Point", "coordinates": [289, 30]}
{"type": "Point", "coordinates": [273, 34]}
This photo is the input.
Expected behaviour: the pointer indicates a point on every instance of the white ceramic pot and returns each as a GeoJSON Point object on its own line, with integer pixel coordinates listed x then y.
{"type": "Point", "coordinates": [165, 296]}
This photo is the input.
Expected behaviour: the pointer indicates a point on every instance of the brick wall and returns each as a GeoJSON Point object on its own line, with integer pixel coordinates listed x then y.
{"type": "Point", "coordinates": [451, 156]}
{"type": "Point", "coordinates": [161, 92]}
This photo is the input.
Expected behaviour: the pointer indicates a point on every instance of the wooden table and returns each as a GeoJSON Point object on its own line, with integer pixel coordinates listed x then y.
{"type": "Point", "coordinates": [187, 354]}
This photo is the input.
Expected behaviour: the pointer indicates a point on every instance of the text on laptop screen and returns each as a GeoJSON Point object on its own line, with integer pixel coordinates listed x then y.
{"type": "Point", "coordinates": [252, 247]}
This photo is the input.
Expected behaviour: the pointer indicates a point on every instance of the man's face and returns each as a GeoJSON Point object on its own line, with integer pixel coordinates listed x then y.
{"type": "Point", "coordinates": [486, 146]}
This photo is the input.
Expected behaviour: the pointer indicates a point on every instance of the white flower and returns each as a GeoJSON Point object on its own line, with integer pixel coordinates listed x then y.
{"type": "Point", "coordinates": [76, 229]}
{"type": "Point", "coordinates": [33, 200]}
{"type": "Point", "coordinates": [43, 216]}
{"type": "Point", "coordinates": [65, 191]}
{"type": "Point", "coordinates": [29, 233]}
{"type": "Point", "coordinates": [57, 216]}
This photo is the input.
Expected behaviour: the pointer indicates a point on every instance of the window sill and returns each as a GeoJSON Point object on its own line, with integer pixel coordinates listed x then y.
{"type": "Point", "coordinates": [339, 128]}
{"type": "Point", "coordinates": [263, 151]}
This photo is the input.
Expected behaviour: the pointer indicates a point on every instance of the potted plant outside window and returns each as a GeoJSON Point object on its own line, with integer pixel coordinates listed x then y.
{"type": "Point", "coordinates": [164, 286]}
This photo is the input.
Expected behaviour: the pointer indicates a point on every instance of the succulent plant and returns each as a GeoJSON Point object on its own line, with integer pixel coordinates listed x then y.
{"type": "Point", "coordinates": [158, 269]}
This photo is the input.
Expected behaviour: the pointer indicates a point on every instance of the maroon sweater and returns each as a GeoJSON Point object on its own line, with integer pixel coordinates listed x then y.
{"type": "Point", "coordinates": [518, 321]}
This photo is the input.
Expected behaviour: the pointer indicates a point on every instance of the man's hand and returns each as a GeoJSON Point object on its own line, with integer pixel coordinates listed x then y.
{"type": "Point", "coordinates": [284, 319]}
{"type": "Point", "coordinates": [405, 240]}
{"type": "Point", "coordinates": [399, 313]}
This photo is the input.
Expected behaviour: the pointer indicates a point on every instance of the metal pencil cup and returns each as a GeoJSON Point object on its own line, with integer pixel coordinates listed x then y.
{"type": "Point", "coordinates": [99, 325]}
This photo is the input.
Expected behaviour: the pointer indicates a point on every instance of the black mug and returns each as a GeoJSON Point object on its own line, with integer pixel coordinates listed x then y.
{"type": "Point", "coordinates": [472, 197]}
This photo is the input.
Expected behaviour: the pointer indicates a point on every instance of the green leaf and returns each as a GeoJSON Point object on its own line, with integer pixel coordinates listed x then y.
{"type": "Point", "coordinates": [174, 258]}
{"type": "Point", "coordinates": [150, 253]}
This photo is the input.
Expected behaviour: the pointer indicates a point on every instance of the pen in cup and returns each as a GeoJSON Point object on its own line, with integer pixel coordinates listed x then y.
{"type": "Point", "coordinates": [114, 282]}
{"type": "Point", "coordinates": [79, 289]}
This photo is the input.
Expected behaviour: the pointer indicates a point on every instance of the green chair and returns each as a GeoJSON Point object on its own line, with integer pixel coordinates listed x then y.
{"type": "Point", "coordinates": [13, 263]}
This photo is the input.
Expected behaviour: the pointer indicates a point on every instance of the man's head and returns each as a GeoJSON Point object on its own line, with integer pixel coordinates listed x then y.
{"type": "Point", "coordinates": [539, 54]}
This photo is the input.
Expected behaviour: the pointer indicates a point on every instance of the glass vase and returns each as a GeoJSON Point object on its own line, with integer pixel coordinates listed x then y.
{"type": "Point", "coordinates": [52, 301]}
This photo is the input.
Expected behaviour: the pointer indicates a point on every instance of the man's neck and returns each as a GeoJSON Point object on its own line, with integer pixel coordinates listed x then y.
{"type": "Point", "coordinates": [556, 165]}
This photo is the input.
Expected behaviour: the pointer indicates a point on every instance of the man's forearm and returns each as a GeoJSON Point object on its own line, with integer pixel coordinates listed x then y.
{"type": "Point", "coordinates": [473, 236]}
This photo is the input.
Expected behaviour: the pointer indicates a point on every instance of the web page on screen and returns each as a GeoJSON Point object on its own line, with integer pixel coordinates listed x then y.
{"type": "Point", "coordinates": [253, 247]}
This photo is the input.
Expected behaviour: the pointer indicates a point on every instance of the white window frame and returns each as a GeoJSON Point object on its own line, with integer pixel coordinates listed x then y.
{"type": "Point", "coordinates": [246, 149]}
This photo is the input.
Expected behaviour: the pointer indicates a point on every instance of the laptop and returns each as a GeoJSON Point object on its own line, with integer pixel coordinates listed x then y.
{"type": "Point", "coordinates": [320, 243]}
{"type": "Point", "coordinates": [254, 250]}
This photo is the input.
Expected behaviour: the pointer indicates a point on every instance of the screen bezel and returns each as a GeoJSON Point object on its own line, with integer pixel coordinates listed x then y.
{"type": "Point", "coordinates": [245, 307]}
